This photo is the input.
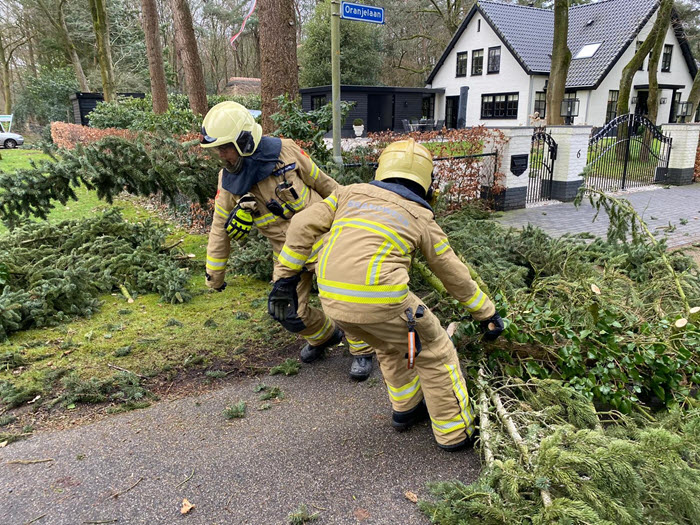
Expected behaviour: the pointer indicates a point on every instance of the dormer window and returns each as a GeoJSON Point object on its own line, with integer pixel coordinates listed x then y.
{"type": "Point", "coordinates": [588, 50]}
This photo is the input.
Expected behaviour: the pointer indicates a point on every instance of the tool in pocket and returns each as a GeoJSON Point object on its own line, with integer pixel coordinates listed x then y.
{"type": "Point", "coordinates": [414, 344]}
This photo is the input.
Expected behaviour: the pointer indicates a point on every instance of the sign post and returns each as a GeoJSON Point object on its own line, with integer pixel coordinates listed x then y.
{"type": "Point", "coordinates": [358, 13]}
{"type": "Point", "coordinates": [335, 75]}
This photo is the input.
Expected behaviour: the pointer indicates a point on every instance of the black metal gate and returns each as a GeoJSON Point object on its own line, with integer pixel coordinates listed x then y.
{"type": "Point", "coordinates": [628, 152]}
{"type": "Point", "coordinates": [543, 153]}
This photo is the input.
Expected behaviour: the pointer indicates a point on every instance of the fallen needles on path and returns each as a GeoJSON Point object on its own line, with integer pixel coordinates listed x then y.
{"type": "Point", "coordinates": [34, 520]}
{"type": "Point", "coordinates": [99, 522]}
{"type": "Point", "coordinates": [117, 494]}
{"type": "Point", "coordinates": [185, 480]}
{"type": "Point", "coordinates": [28, 461]}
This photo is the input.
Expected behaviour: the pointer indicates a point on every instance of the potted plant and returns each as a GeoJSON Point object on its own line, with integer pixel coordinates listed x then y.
{"type": "Point", "coordinates": [359, 126]}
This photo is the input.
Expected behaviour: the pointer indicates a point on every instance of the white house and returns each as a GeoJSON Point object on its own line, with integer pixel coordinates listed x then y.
{"type": "Point", "coordinates": [495, 69]}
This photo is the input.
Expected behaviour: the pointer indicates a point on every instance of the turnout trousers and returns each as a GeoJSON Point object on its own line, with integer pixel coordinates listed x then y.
{"type": "Point", "coordinates": [320, 327]}
{"type": "Point", "coordinates": [436, 377]}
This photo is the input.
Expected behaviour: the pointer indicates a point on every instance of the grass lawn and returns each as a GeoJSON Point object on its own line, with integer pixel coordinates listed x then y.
{"type": "Point", "coordinates": [227, 332]}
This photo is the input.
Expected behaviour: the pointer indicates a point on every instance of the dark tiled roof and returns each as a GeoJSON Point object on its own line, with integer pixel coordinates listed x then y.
{"type": "Point", "coordinates": [528, 33]}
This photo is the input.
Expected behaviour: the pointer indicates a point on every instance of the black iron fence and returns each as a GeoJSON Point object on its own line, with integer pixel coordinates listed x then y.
{"type": "Point", "coordinates": [628, 152]}
{"type": "Point", "coordinates": [543, 154]}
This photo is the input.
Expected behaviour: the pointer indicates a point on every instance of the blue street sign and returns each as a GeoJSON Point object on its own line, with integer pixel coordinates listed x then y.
{"type": "Point", "coordinates": [362, 13]}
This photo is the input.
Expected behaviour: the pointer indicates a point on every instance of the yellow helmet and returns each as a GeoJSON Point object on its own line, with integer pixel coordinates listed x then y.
{"type": "Point", "coordinates": [405, 159]}
{"type": "Point", "coordinates": [229, 122]}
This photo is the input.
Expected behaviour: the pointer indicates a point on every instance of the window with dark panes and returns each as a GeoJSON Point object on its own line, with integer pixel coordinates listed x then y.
{"type": "Point", "coordinates": [462, 62]}
{"type": "Point", "coordinates": [478, 62]}
{"type": "Point", "coordinates": [318, 101]}
{"type": "Point", "coordinates": [613, 97]}
{"type": "Point", "coordinates": [500, 105]}
{"type": "Point", "coordinates": [487, 106]}
{"type": "Point", "coordinates": [512, 106]}
{"type": "Point", "coordinates": [541, 103]}
{"type": "Point", "coordinates": [478, 26]}
{"type": "Point", "coordinates": [666, 60]}
{"type": "Point", "coordinates": [494, 65]}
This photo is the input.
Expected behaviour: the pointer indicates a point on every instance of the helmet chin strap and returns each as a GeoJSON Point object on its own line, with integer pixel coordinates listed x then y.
{"type": "Point", "coordinates": [236, 167]}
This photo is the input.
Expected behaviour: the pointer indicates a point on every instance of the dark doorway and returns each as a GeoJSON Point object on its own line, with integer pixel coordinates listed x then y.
{"type": "Point", "coordinates": [642, 107]}
{"type": "Point", "coordinates": [451, 110]}
{"type": "Point", "coordinates": [380, 112]}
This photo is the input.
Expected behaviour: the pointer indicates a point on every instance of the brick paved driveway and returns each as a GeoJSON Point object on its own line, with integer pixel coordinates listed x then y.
{"type": "Point", "coordinates": [678, 205]}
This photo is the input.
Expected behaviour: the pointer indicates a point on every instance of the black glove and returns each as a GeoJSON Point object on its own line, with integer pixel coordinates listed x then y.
{"type": "Point", "coordinates": [492, 327]}
{"type": "Point", "coordinates": [282, 303]}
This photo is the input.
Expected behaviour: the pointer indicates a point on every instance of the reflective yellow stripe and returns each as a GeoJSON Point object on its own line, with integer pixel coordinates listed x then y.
{"type": "Point", "coordinates": [265, 220]}
{"type": "Point", "coordinates": [301, 201]}
{"type": "Point", "coordinates": [275, 255]}
{"type": "Point", "coordinates": [477, 301]}
{"type": "Point", "coordinates": [406, 391]}
{"type": "Point", "coordinates": [378, 228]}
{"type": "Point", "coordinates": [314, 171]}
{"type": "Point", "coordinates": [362, 294]}
{"type": "Point", "coordinates": [314, 251]}
{"type": "Point", "coordinates": [322, 334]}
{"type": "Point", "coordinates": [327, 251]}
{"type": "Point", "coordinates": [221, 211]}
{"type": "Point", "coordinates": [332, 202]}
{"type": "Point", "coordinates": [291, 259]}
{"type": "Point", "coordinates": [216, 264]}
{"type": "Point", "coordinates": [466, 417]}
{"type": "Point", "coordinates": [442, 247]}
{"type": "Point", "coordinates": [357, 345]}
{"type": "Point", "coordinates": [375, 264]}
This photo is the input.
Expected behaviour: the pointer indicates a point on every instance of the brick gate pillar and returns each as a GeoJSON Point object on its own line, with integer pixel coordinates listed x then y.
{"type": "Point", "coordinates": [681, 165]}
{"type": "Point", "coordinates": [572, 154]}
{"type": "Point", "coordinates": [512, 153]}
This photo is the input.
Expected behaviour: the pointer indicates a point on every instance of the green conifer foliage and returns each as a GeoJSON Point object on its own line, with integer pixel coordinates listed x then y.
{"type": "Point", "coordinates": [57, 271]}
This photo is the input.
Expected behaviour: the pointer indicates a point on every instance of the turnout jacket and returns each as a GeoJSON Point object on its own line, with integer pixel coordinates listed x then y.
{"type": "Point", "coordinates": [296, 167]}
{"type": "Point", "coordinates": [362, 269]}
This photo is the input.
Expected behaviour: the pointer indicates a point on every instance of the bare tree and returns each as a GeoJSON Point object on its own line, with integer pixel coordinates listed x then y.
{"type": "Point", "coordinates": [655, 58]}
{"type": "Point", "coordinates": [623, 103]}
{"type": "Point", "coordinates": [54, 12]}
{"type": "Point", "coordinates": [154, 50]}
{"type": "Point", "coordinates": [278, 55]}
{"type": "Point", "coordinates": [8, 46]}
{"type": "Point", "coordinates": [186, 43]}
{"type": "Point", "coordinates": [561, 59]}
{"type": "Point", "coordinates": [104, 53]}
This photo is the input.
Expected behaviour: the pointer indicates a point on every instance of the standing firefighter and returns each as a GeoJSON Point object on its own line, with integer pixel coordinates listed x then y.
{"type": "Point", "coordinates": [363, 282]}
{"type": "Point", "coordinates": [265, 182]}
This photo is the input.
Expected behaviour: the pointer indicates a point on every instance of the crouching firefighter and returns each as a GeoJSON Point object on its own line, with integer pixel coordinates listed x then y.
{"type": "Point", "coordinates": [265, 182]}
{"type": "Point", "coordinates": [374, 230]}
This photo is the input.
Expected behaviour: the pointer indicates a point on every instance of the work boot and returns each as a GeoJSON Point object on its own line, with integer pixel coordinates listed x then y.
{"type": "Point", "coordinates": [309, 353]}
{"type": "Point", "coordinates": [361, 367]}
{"type": "Point", "coordinates": [467, 443]}
{"type": "Point", "coordinates": [404, 420]}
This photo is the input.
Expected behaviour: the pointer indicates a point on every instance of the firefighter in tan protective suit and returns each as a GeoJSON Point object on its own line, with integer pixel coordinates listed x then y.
{"type": "Point", "coordinates": [265, 182]}
{"type": "Point", "coordinates": [374, 230]}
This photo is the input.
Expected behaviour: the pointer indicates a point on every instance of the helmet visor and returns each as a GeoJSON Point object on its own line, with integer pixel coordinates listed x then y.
{"type": "Point", "coordinates": [206, 139]}
{"type": "Point", "coordinates": [245, 143]}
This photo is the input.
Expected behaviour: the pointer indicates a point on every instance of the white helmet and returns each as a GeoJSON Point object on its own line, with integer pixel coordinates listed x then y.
{"type": "Point", "coordinates": [229, 122]}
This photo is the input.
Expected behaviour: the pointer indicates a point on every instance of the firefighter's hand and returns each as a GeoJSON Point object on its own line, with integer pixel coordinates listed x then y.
{"type": "Point", "coordinates": [283, 298]}
{"type": "Point", "coordinates": [247, 202]}
{"type": "Point", "coordinates": [492, 327]}
{"type": "Point", "coordinates": [239, 223]}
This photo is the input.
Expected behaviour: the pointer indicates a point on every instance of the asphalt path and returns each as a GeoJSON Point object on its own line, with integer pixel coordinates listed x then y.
{"type": "Point", "coordinates": [328, 445]}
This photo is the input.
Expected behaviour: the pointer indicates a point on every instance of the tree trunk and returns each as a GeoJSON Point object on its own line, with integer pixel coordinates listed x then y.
{"type": "Point", "coordinates": [655, 58]}
{"type": "Point", "coordinates": [694, 97]}
{"type": "Point", "coordinates": [154, 51]}
{"type": "Point", "coordinates": [6, 91]}
{"type": "Point", "coordinates": [561, 58]}
{"type": "Point", "coordinates": [623, 103]}
{"type": "Point", "coordinates": [72, 52]}
{"type": "Point", "coordinates": [186, 43]}
{"type": "Point", "coordinates": [100, 23]}
{"type": "Point", "coordinates": [279, 71]}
